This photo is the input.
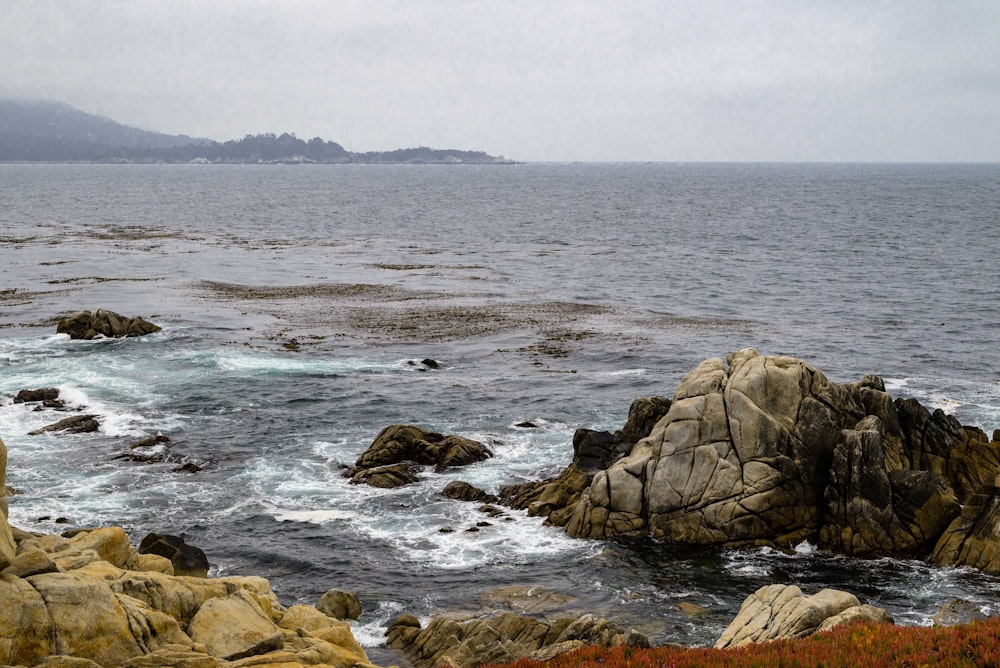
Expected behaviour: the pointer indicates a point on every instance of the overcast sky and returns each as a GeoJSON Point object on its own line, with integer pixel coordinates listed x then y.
{"type": "Point", "coordinates": [674, 80]}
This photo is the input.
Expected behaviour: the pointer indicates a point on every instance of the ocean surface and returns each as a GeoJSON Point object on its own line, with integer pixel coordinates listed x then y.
{"type": "Point", "coordinates": [298, 301]}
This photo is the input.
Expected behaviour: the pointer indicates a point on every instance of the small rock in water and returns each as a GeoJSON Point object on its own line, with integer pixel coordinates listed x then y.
{"type": "Point", "coordinates": [42, 394]}
{"type": "Point", "coordinates": [78, 424]}
{"type": "Point", "coordinates": [186, 559]}
{"type": "Point", "coordinates": [149, 441]}
{"type": "Point", "coordinates": [527, 424]}
{"type": "Point", "coordinates": [430, 364]}
{"type": "Point", "coordinates": [446, 530]}
{"type": "Point", "coordinates": [189, 467]}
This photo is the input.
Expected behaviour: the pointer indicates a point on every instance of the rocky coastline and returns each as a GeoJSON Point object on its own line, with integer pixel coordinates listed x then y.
{"type": "Point", "coordinates": [750, 451]}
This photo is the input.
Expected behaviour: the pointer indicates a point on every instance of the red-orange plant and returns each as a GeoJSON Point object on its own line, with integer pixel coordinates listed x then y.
{"type": "Point", "coordinates": [856, 646]}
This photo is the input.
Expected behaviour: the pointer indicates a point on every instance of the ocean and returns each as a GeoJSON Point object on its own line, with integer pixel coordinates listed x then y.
{"type": "Point", "coordinates": [298, 302]}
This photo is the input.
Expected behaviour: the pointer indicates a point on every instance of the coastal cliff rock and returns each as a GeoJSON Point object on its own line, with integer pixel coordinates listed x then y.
{"type": "Point", "coordinates": [593, 451]}
{"type": "Point", "coordinates": [778, 611]}
{"type": "Point", "coordinates": [767, 451]}
{"type": "Point", "coordinates": [504, 638]}
{"type": "Point", "coordinates": [384, 463]}
{"type": "Point", "coordinates": [972, 538]}
{"type": "Point", "coordinates": [90, 599]}
{"type": "Point", "coordinates": [89, 325]}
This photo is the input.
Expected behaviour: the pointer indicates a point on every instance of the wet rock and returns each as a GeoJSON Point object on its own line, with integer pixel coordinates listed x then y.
{"type": "Point", "coordinates": [872, 512]}
{"type": "Point", "coordinates": [186, 559]}
{"type": "Point", "coordinates": [781, 611]}
{"type": "Point", "coordinates": [187, 467]}
{"type": "Point", "coordinates": [43, 394]}
{"type": "Point", "coordinates": [386, 477]}
{"type": "Point", "coordinates": [397, 444]}
{"type": "Point", "coordinates": [89, 325]}
{"type": "Point", "coordinates": [77, 424]}
{"type": "Point", "coordinates": [463, 491]}
{"type": "Point", "coordinates": [972, 538]}
{"type": "Point", "coordinates": [340, 604]}
{"type": "Point", "coordinates": [430, 364]}
{"type": "Point", "coordinates": [527, 424]}
{"type": "Point", "coordinates": [149, 441]}
{"type": "Point", "coordinates": [593, 451]}
{"type": "Point", "coordinates": [958, 611]}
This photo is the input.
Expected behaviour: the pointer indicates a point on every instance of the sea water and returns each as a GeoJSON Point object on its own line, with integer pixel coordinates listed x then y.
{"type": "Point", "coordinates": [298, 303]}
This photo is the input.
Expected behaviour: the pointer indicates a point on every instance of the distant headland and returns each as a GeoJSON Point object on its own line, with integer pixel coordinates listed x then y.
{"type": "Point", "coordinates": [47, 131]}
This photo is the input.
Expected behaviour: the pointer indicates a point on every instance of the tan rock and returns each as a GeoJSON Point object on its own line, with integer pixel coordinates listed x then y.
{"type": "Point", "coordinates": [31, 562]}
{"type": "Point", "coordinates": [339, 604]}
{"type": "Point", "coordinates": [234, 627]}
{"type": "Point", "coordinates": [780, 611]}
{"type": "Point", "coordinates": [26, 630]}
{"type": "Point", "coordinates": [7, 547]}
{"type": "Point", "coordinates": [88, 620]}
{"type": "Point", "coordinates": [110, 543]}
{"type": "Point", "coordinates": [858, 613]}
{"type": "Point", "coordinates": [153, 562]}
{"type": "Point", "coordinates": [62, 661]}
{"type": "Point", "coordinates": [971, 539]}
{"type": "Point", "coordinates": [174, 658]}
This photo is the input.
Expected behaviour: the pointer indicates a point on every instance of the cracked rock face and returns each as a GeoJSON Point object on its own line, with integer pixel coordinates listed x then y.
{"type": "Point", "coordinates": [740, 458]}
{"type": "Point", "coordinates": [767, 451]}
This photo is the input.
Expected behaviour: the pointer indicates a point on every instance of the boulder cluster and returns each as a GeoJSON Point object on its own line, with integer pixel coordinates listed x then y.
{"type": "Point", "coordinates": [90, 325]}
{"type": "Point", "coordinates": [395, 456]}
{"type": "Point", "coordinates": [89, 598]}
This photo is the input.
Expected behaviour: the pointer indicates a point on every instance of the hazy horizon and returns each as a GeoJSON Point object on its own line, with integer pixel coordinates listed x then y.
{"type": "Point", "coordinates": [762, 81]}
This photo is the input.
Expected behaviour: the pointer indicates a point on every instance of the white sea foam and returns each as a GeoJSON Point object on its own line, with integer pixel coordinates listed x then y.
{"type": "Point", "coordinates": [318, 516]}
{"type": "Point", "coordinates": [258, 363]}
{"type": "Point", "coordinates": [370, 630]}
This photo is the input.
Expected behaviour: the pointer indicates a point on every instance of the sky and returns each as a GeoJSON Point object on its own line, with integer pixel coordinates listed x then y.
{"type": "Point", "coordinates": [538, 80]}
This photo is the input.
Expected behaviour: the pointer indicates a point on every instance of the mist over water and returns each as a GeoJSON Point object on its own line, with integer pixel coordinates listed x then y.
{"type": "Point", "coordinates": [298, 302]}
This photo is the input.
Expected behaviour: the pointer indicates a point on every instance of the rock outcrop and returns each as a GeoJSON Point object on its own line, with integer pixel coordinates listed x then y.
{"type": "Point", "coordinates": [89, 325]}
{"type": "Point", "coordinates": [90, 599]}
{"type": "Point", "coordinates": [778, 611]}
{"type": "Point", "coordinates": [504, 638]}
{"type": "Point", "coordinates": [77, 424]}
{"type": "Point", "coordinates": [593, 451]}
{"type": "Point", "coordinates": [767, 451]}
{"type": "Point", "coordinates": [386, 461]}
{"type": "Point", "coordinates": [973, 538]}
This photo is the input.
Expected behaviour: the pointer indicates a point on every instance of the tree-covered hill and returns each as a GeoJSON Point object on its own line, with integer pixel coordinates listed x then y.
{"type": "Point", "coordinates": [45, 131]}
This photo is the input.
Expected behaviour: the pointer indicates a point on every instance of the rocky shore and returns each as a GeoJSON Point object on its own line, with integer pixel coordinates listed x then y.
{"type": "Point", "coordinates": [750, 451]}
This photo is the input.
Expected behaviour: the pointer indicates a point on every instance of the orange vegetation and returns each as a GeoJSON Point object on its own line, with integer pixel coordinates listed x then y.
{"type": "Point", "coordinates": [858, 646]}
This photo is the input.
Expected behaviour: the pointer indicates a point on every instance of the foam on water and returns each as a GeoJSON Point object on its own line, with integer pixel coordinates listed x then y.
{"type": "Point", "coordinates": [262, 363]}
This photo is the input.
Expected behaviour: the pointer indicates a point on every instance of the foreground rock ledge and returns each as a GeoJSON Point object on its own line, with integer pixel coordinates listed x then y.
{"type": "Point", "coordinates": [94, 598]}
{"type": "Point", "coordinates": [90, 325]}
{"type": "Point", "coordinates": [777, 612]}
{"type": "Point", "coordinates": [502, 639]}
